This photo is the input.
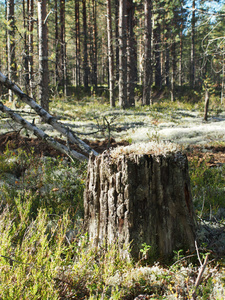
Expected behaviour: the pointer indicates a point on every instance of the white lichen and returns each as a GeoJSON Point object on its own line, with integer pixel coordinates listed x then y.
{"type": "Point", "coordinates": [150, 148]}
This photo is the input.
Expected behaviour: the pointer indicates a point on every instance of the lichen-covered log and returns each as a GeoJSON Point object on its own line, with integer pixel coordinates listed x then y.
{"type": "Point", "coordinates": [140, 196]}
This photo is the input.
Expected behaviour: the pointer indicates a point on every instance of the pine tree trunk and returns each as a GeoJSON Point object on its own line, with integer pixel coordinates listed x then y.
{"type": "Point", "coordinates": [95, 47]}
{"type": "Point", "coordinates": [110, 55]}
{"type": "Point", "coordinates": [30, 5]}
{"type": "Point", "coordinates": [138, 199]}
{"type": "Point", "coordinates": [43, 55]}
{"type": "Point", "coordinates": [122, 55]}
{"type": "Point", "coordinates": [85, 56]}
{"type": "Point", "coordinates": [11, 43]}
{"type": "Point", "coordinates": [192, 64]}
{"type": "Point", "coordinates": [173, 70]}
{"type": "Point", "coordinates": [57, 48]}
{"type": "Point", "coordinates": [63, 47]}
{"type": "Point", "coordinates": [147, 72]}
{"type": "Point", "coordinates": [25, 53]}
{"type": "Point", "coordinates": [206, 105]}
{"type": "Point", "coordinates": [157, 38]}
{"type": "Point", "coordinates": [131, 54]}
{"type": "Point", "coordinates": [77, 26]}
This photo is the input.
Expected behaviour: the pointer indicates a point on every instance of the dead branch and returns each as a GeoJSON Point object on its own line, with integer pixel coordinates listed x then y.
{"type": "Point", "coordinates": [200, 272]}
{"type": "Point", "coordinates": [48, 118]}
{"type": "Point", "coordinates": [41, 134]}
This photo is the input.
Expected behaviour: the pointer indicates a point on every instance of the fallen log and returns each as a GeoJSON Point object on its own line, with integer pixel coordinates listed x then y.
{"type": "Point", "coordinates": [140, 195]}
{"type": "Point", "coordinates": [47, 118]}
{"type": "Point", "coordinates": [41, 134]}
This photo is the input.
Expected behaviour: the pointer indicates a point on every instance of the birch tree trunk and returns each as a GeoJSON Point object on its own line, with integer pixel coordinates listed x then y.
{"type": "Point", "coordinates": [43, 55]}
{"type": "Point", "coordinates": [140, 198]}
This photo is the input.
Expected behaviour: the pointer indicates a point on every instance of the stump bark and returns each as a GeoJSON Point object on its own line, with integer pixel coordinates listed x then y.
{"type": "Point", "coordinates": [131, 199]}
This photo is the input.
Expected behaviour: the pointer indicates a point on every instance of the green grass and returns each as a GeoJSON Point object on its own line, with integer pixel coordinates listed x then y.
{"type": "Point", "coordinates": [37, 262]}
{"type": "Point", "coordinates": [44, 201]}
{"type": "Point", "coordinates": [207, 187]}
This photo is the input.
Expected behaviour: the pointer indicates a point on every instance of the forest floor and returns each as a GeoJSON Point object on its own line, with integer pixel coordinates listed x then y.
{"type": "Point", "coordinates": [212, 155]}
{"type": "Point", "coordinates": [203, 143]}
{"type": "Point", "coordinates": [103, 128]}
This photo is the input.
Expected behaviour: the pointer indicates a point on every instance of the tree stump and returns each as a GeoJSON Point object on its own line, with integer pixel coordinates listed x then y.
{"type": "Point", "coordinates": [140, 194]}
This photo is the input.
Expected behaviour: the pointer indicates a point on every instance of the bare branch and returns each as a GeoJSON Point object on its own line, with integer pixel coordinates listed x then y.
{"type": "Point", "coordinates": [48, 118]}
{"type": "Point", "coordinates": [41, 134]}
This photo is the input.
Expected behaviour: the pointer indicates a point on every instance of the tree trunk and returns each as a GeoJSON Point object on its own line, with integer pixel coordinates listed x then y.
{"type": "Point", "coordinates": [223, 76]}
{"type": "Point", "coordinates": [135, 199]}
{"type": "Point", "coordinates": [117, 37]}
{"type": "Point", "coordinates": [77, 30]}
{"type": "Point", "coordinates": [43, 55]}
{"type": "Point", "coordinates": [110, 55]}
{"type": "Point", "coordinates": [180, 57]}
{"type": "Point", "coordinates": [131, 54]}
{"type": "Point", "coordinates": [30, 5]}
{"type": "Point", "coordinates": [57, 47]}
{"type": "Point", "coordinates": [95, 48]}
{"type": "Point", "coordinates": [173, 70]}
{"type": "Point", "coordinates": [11, 43]}
{"type": "Point", "coordinates": [157, 38]}
{"type": "Point", "coordinates": [25, 53]}
{"type": "Point", "coordinates": [206, 105]}
{"type": "Point", "coordinates": [122, 55]}
{"type": "Point", "coordinates": [192, 65]}
{"type": "Point", "coordinates": [85, 59]}
{"type": "Point", "coordinates": [147, 72]}
{"type": "Point", "coordinates": [63, 46]}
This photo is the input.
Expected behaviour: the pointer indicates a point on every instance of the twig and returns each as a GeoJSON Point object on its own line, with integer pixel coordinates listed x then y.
{"type": "Point", "coordinates": [200, 272]}
{"type": "Point", "coordinates": [183, 258]}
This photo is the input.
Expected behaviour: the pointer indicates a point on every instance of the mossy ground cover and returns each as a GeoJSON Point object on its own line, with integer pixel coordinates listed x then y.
{"type": "Point", "coordinates": [45, 252]}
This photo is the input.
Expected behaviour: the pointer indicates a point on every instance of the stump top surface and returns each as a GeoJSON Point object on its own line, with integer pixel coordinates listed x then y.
{"type": "Point", "coordinates": [151, 148]}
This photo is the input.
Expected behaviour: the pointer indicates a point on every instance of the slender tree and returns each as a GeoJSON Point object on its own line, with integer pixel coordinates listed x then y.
{"type": "Point", "coordinates": [30, 7]}
{"type": "Point", "coordinates": [131, 54]}
{"type": "Point", "coordinates": [85, 56]}
{"type": "Point", "coordinates": [110, 55]}
{"type": "Point", "coordinates": [192, 65]}
{"type": "Point", "coordinates": [117, 37]}
{"type": "Point", "coordinates": [25, 53]}
{"type": "Point", "coordinates": [11, 43]}
{"type": "Point", "coordinates": [157, 52]}
{"type": "Point", "coordinates": [57, 46]}
{"type": "Point", "coordinates": [95, 46]}
{"type": "Point", "coordinates": [122, 55]}
{"type": "Point", "coordinates": [147, 72]}
{"type": "Point", "coordinates": [77, 43]}
{"type": "Point", "coordinates": [63, 47]}
{"type": "Point", "coordinates": [43, 55]}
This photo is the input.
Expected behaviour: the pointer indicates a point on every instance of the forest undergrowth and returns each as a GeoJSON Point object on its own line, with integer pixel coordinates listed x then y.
{"type": "Point", "coordinates": [45, 253]}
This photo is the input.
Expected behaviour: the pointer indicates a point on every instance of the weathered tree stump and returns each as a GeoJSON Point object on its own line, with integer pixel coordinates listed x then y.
{"type": "Point", "coordinates": [136, 195]}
